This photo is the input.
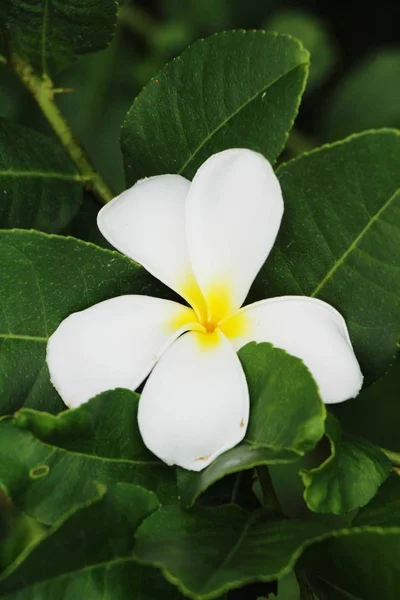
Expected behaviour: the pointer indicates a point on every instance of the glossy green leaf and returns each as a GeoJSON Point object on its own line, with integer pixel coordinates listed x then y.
{"type": "Point", "coordinates": [313, 33]}
{"type": "Point", "coordinates": [195, 107]}
{"type": "Point", "coordinates": [286, 418]}
{"type": "Point", "coordinates": [206, 552]}
{"type": "Point", "coordinates": [50, 33]}
{"type": "Point", "coordinates": [87, 554]}
{"type": "Point", "coordinates": [369, 96]}
{"type": "Point", "coordinates": [363, 563]}
{"type": "Point", "coordinates": [349, 477]}
{"type": "Point", "coordinates": [44, 279]}
{"type": "Point", "coordinates": [375, 413]}
{"type": "Point", "coordinates": [39, 186]}
{"type": "Point", "coordinates": [340, 240]}
{"type": "Point", "coordinates": [48, 463]}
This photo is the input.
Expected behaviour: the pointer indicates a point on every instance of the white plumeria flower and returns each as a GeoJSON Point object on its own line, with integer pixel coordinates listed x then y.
{"type": "Point", "coordinates": [207, 241]}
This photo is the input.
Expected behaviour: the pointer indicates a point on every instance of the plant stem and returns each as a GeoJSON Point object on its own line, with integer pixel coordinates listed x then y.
{"type": "Point", "coordinates": [393, 456]}
{"type": "Point", "coordinates": [43, 92]}
{"type": "Point", "coordinates": [269, 496]}
{"type": "Point", "coordinates": [305, 592]}
{"type": "Point", "coordinates": [137, 20]}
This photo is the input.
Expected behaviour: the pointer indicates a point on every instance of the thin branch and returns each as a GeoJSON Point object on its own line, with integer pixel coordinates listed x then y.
{"type": "Point", "coordinates": [43, 92]}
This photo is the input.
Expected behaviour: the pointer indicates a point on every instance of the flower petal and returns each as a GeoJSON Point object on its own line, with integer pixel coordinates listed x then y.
{"type": "Point", "coordinates": [234, 210]}
{"type": "Point", "coordinates": [309, 329]}
{"type": "Point", "coordinates": [195, 404]}
{"type": "Point", "coordinates": [112, 344]}
{"type": "Point", "coordinates": [148, 224]}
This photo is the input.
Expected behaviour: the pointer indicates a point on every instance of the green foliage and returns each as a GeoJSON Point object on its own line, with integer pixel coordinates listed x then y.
{"type": "Point", "coordinates": [339, 240]}
{"type": "Point", "coordinates": [363, 563]}
{"type": "Point", "coordinates": [369, 96]}
{"type": "Point", "coordinates": [50, 33]}
{"type": "Point", "coordinates": [286, 418]}
{"type": "Point", "coordinates": [195, 108]}
{"type": "Point", "coordinates": [349, 477]}
{"type": "Point", "coordinates": [209, 551]}
{"type": "Point", "coordinates": [49, 465]}
{"type": "Point", "coordinates": [86, 511]}
{"type": "Point", "coordinates": [374, 414]}
{"type": "Point", "coordinates": [44, 279]}
{"type": "Point", "coordinates": [39, 186]}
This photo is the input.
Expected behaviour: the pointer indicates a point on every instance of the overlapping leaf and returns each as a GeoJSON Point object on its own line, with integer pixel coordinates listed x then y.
{"type": "Point", "coordinates": [44, 279]}
{"type": "Point", "coordinates": [286, 418]}
{"type": "Point", "coordinates": [48, 464]}
{"type": "Point", "coordinates": [339, 240]}
{"type": "Point", "coordinates": [49, 33]}
{"type": "Point", "coordinates": [39, 186]}
{"type": "Point", "coordinates": [206, 552]}
{"type": "Point", "coordinates": [89, 552]}
{"type": "Point", "coordinates": [195, 106]}
{"type": "Point", "coordinates": [349, 477]}
{"type": "Point", "coordinates": [363, 562]}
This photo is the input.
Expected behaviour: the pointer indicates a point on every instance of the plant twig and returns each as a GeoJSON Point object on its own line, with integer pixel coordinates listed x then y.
{"type": "Point", "coordinates": [43, 92]}
{"type": "Point", "coordinates": [135, 18]}
{"type": "Point", "coordinates": [305, 591]}
{"type": "Point", "coordinates": [270, 498]}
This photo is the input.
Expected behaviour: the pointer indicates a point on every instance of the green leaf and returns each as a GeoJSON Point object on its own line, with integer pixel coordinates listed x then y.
{"type": "Point", "coordinates": [369, 96]}
{"type": "Point", "coordinates": [39, 187]}
{"type": "Point", "coordinates": [195, 106]}
{"type": "Point", "coordinates": [286, 418]}
{"type": "Point", "coordinates": [206, 552]}
{"type": "Point", "coordinates": [348, 478]}
{"type": "Point", "coordinates": [314, 35]}
{"type": "Point", "coordinates": [49, 33]}
{"type": "Point", "coordinates": [375, 413]}
{"type": "Point", "coordinates": [44, 279]}
{"type": "Point", "coordinates": [87, 554]}
{"type": "Point", "coordinates": [340, 240]}
{"type": "Point", "coordinates": [48, 463]}
{"type": "Point", "coordinates": [362, 563]}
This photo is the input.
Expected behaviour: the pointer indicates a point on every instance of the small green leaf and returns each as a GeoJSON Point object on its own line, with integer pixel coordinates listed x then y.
{"type": "Point", "coordinates": [48, 463]}
{"type": "Point", "coordinates": [49, 33]}
{"type": "Point", "coordinates": [195, 106]}
{"type": "Point", "coordinates": [43, 279]}
{"type": "Point", "coordinates": [286, 418]}
{"type": "Point", "coordinates": [39, 186]}
{"type": "Point", "coordinates": [87, 554]}
{"type": "Point", "coordinates": [348, 478]}
{"type": "Point", "coordinates": [206, 552]}
{"type": "Point", "coordinates": [375, 413]}
{"type": "Point", "coordinates": [314, 35]}
{"type": "Point", "coordinates": [340, 240]}
{"type": "Point", "coordinates": [369, 96]}
{"type": "Point", "coordinates": [361, 563]}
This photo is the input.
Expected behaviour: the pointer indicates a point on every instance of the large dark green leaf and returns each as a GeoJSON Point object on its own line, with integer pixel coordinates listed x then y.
{"type": "Point", "coordinates": [206, 552]}
{"type": "Point", "coordinates": [48, 463]}
{"type": "Point", "coordinates": [340, 239]}
{"type": "Point", "coordinates": [349, 477]}
{"type": "Point", "coordinates": [363, 563]}
{"type": "Point", "coordinates": [86, 555]}
{"type": "Point", "coordinates": [375, 413]}
{"type": "Point", "coordinates": [195, 106]}
{"type": "Point", "coordinates": [369, 96]}
{"type": "Point", "coordinates": [43, 279]}
{"type": "Point", "coordinates": [50, 33]}
{"type": "Point", "coordinates": [286, 418]}
{"type": "Point", "coordinates": [39, 186]}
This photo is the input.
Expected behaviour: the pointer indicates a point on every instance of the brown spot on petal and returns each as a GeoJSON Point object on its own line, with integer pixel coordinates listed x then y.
{"type": "Point", "coordinates": [242, 423]}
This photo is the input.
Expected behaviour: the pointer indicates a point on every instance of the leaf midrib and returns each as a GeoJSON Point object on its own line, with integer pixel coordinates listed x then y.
{"type": "Point", "coordinates": [21, 336]}
{"type": "Point", "coordinates": [353, 245]}
{"type": "Point", "coordinates": [237, 111]}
